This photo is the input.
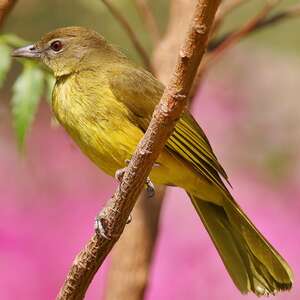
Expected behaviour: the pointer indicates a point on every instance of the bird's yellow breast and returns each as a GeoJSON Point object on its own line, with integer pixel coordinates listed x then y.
{"type": "Point", "coordinates": [97, 122]}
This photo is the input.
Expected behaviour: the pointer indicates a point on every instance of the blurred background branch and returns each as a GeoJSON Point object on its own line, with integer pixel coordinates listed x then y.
{"type": "Point", "coordinates": [147, 16]}
{"type": "Point", "coordinates": [259, 22]}
{"type": "Point", "coordinates": [237, 35]}
{"type": "Point", "coordinates": [218, 46]}
{"type": "Point", "coordinates": [130, 32]}
{"type": "Point", "coordinates": [5, 8]}
{"type": "Point", "coordinates": [224, 10]}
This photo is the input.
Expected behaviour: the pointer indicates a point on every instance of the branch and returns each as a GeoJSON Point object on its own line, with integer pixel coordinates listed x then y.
{"type": "Point", "coordinates": [141, 235]}
{"type": "Point", "coordinates": [131, 34]}
{"type": "Point", "coordinates": [132, 255]}
{"type": "Point", "coordinates": [216, 50]}
{"type": "Point", "coordinates": [149, 19]}
{"type": "Point", "coordinates": [236, 36]}
{"type": "Point", "coordinates": [228, 7]}
{"type": "Point", "coordinates": [115, 214]}
{"type": "Point", "coordinates": [5, 8]}
{"type": "Point", "coordinates": [225, 9]}
{"type": "Point", "coordinates": [287, 14]}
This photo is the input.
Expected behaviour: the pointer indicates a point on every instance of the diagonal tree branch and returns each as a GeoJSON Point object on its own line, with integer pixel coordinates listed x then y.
{"type": "Point", "coordinates": [5, 7]}
{"type": "Point", "coordinates": [141, 235]}
{"type": "Point", "coordinates": [132, 255]}
{"type": "Point", "coordinates": [115, 214]}
{"type": "Point", "coordinates": [130, 32]}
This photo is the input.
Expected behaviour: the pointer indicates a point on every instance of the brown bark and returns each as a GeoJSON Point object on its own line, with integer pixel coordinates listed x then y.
{"type": "Point", "coordinates": [133, 253]}
{"type": "Point", "coordinates": [115, 214]}
{"type": "Point", "coordinates": [5, 8]}
{"type": "Point", "coordinates": [131, 257]}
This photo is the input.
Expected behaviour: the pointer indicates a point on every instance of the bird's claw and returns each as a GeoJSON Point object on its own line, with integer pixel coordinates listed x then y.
{"type": "Point", "coordinates": [120, 173]}
{"type": "Point", "coordinates": [129, 219]}
{"type": "Point", "coordinates": [99, 229]}
{"type": "Point", "coordinates": [150, 188]}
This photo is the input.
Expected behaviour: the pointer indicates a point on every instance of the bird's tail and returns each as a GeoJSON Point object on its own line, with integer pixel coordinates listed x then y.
{"type": "Point", "coordinates": [253, 264]}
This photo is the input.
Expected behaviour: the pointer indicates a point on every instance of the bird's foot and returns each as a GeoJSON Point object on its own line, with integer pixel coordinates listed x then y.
{"type": "Point", "coordinates": [120, 173]}
{"type": "Point", "coordinates": [100, 228]}
{"type": "Point", "coordinates": [129, 219]}
{"type": "Point", "coordinates": [150, 188]}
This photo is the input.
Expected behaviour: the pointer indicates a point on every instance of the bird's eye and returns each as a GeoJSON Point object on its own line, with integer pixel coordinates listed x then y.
{"type": "Point", "coordinates": [56, 46]}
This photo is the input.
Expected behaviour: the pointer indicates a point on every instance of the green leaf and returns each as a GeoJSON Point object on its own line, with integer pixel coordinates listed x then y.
{"type": "Point", "coordinates": [13, 40]}
{"type": "Point", "coordinates": [27, 91]}
{"type": "Point", "coordinates": [5, 62]}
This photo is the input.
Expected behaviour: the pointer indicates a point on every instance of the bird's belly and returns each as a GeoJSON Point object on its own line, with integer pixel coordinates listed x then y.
{"type": "Point", "coordinates": [107, 145]}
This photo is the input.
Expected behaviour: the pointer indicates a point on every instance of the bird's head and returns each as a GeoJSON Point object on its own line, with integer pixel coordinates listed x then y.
{"type": "Point", "coordinates": [67, 49]}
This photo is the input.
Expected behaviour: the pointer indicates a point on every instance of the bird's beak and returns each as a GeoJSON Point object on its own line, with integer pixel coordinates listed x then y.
{"type": "Point", "coordinates": [28, 51]}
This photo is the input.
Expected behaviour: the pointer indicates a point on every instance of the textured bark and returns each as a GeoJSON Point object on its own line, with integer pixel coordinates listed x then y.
{"type": "Point", "coordinates": [115, 214]}
{"type": "Point", "coordinates": [131, 257]}
{"type": "Point", "coordinates": [5, 8]}
{"type": "Point", "coordinates": [134, 252]}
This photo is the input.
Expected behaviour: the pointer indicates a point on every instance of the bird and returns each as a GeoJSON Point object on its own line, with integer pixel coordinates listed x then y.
{"type": "Point", "coordinates": [105, 103]}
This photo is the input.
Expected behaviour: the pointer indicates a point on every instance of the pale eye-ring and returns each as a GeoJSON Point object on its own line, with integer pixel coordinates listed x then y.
{"type": "Point", "coordinates": [56, 46]}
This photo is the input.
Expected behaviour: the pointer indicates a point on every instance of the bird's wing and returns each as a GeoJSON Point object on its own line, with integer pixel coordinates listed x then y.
{"type": "Point", "coordinates": [189, 141]}
{"type": "Point", "coordinates": [140, 92]}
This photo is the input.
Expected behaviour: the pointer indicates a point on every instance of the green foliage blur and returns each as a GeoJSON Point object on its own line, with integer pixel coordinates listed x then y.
{"type": "Point", "coordinates": [43, 16]}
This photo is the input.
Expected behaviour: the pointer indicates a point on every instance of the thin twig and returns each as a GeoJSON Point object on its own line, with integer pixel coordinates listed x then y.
{"type": "Point", "coordinates": [149, 19]}
{"type": "Point", "coordinates": [287, 14]}
{"type": "Point", "coordinates": [224, 10]}
{"type": "Point", "coordinates": [230, 41]}
{"type": "Point", "coordinates": [228, 7]}
{"type": "Point", "coordinates": [5, 7]}
{"type": "Point", "coordinates": [115, 214]}
{"type": "Point", "coordinates": [130, 32]}
{"type": "Point", "coordinates": [236, 36]}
